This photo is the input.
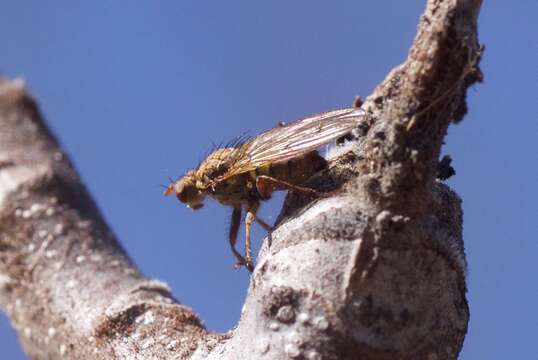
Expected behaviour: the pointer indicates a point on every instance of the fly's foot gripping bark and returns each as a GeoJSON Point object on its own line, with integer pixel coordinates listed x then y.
{"type": "Point", "coordinates": [246, 262]}
{"type": "Point", "coordinates": [234, 228]}
{"type": "Point", "coordinates": [250, 218]}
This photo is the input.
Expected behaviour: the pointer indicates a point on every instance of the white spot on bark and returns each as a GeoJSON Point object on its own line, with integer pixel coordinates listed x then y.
{"type": "Point", "coordinates": [263, 346]}
{"type": "Point", "coordinates": [129, 271]}
{"type": "Point", "coordinates": [136, 336]}
{"type": "Point", "coordinates": [5, 281]}
{"type": "Point", "coordinates": [313, 355]}
{"type": "Point", "coordinates": [292, 350]}
{"type": "Point", "coordinates": [51, 253]}
{"type": "Point", "coordinates": [80, 259]}
{"type": "Point", "coordinates": [35, 208]}
{"type": "Point", "coordinates": [58, 156]}
{"type": "Point", "coordinates": [321, 323]}
{"type": "Point", "coordinates": [295, 338]}
{"type": "Point", "coordinates": [11, 178]}
{"type": "Point", "coordinates": [383, 217]}
{"type": "Point", "coordinates": [51, 332]}
{"type": "Point", "coordinates": [413, 155]}
{"type": "Point", "coordinates": [84, 224]}
{"type": "Point", "coordinates": [63, 349]}
{"type": "Point", "coordinates": [96, 258]}
{"type": "Point", "coordinates": [149, 318]}
{"type": "Point", "coordinates": [303, 318]}
{"type": "Point", "coordinates": [274, 326]}
{"type": "Point", "coordinates": [146, 344]}
{"type": "Point", "coordinates": [171, 345]}
{"type": "Point", "coordinates": [58, 229]}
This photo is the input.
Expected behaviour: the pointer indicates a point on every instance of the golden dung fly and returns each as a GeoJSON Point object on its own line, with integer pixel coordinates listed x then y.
{"type": "Point", "coordinates": [282, 158]}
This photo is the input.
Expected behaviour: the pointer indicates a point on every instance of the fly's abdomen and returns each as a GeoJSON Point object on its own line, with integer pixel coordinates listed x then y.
{"type": "Point", "coordinates": [296, 171]}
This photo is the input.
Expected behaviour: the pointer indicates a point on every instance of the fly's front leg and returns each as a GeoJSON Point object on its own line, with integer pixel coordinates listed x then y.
{"type": "Point", "coordinates": [251, 217]}
{"type": "Point", "coordinates": [265, 184]}
{"type": "Point", "coordinates": [234, 229]}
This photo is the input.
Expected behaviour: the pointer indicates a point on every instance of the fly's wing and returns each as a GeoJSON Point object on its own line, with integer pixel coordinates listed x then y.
{"type": "Point", "coordinates": [293, 140]}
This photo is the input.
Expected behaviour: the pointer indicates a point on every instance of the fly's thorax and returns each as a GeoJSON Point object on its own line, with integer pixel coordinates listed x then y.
{"type": "Point", "coordinates": [215, 165]}
{"type": "Point", "coordinates": [236, 190]}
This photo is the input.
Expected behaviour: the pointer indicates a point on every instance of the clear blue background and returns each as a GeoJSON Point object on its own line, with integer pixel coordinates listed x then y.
{"type": "Point", "coordinates": [138, 91]}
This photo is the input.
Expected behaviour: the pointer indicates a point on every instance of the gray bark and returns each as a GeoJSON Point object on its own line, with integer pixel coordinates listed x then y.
{"type": "Point", "coordinates": [376, 271]}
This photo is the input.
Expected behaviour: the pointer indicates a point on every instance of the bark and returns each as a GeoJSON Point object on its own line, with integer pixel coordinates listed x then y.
{"type": "Point", "coordinates": [376, 271]}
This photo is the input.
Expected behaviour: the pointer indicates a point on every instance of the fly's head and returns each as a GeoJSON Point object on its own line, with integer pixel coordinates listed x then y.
{"type": "Point", "coordinates": [188, 191]}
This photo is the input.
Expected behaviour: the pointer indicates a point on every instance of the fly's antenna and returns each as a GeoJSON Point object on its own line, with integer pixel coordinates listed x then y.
{"type": "Point", "coordinates": [168, 189]}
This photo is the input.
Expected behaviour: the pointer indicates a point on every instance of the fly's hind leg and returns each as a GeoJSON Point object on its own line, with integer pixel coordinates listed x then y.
{"type": "Point", "coordinates": [265, 185]}
{"type": "Point", "coordinates": [264, 225]}
{"type": "Point", "coordinates": [234, 229]}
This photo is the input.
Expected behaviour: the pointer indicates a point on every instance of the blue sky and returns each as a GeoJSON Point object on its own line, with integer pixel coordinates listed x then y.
{"type": "Point", "coordinates": [138, 91]}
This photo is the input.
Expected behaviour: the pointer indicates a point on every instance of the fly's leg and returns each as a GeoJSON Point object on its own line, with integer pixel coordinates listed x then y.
{"type": "Point", "coordinates": [265, 185]}
{"type": "Point", "coordinates": [234, 229]}
{"type": "Point", "coordinates": [250, 218]}
{"type": "Point", "coordinates": [264, 225]}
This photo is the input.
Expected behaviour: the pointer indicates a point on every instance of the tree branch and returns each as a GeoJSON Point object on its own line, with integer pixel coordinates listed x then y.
{"type": "Point", "coordinates": [375, 272]}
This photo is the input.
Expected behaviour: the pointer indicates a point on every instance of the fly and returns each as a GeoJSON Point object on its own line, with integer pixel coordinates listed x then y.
{"type": "Point", "coordinates": [281, 158]}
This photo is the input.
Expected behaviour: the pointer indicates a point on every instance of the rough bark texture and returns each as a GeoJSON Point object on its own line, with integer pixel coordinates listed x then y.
{"type": "Point", "coordinates": [376, 271]}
